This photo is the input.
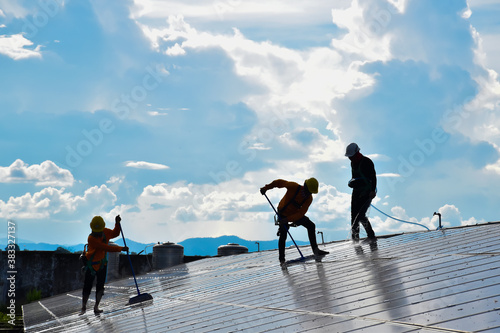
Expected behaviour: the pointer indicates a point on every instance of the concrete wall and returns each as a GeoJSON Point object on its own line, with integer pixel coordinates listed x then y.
{"type": "Point", "coordinates": [55, 273]}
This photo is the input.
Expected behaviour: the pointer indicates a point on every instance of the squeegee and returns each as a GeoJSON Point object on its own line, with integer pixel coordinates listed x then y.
{"type": "Point", "coordinates": [140, 297]}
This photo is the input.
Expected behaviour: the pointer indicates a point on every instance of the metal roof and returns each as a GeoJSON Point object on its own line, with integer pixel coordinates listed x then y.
{"type": "Point", "coordinates": [437, 281]}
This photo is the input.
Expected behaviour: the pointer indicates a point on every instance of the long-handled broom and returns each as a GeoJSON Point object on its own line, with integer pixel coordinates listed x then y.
{"type": "Point", "coordinates": [287, 229]}
{"type": "Point", "coordinates": [140, 297]}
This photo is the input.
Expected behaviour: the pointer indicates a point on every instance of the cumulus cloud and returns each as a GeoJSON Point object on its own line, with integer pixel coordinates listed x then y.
{"type": "Point", "coordinates": [14, 9]}
{"type": "Point", "coordinates": [385, 225]}
{"type": "Point", "coordinates": [377, 50]}
{"type": "Point", "coordinates": [332, 204]}
{"type": "Point", "coordinates": [210, 202]}
{"type": "Point", "coordinates": [14, 46]}
{"type": "Point", "coordinates": [146, 165]}
{"type": "Point", "coordinates": [45, 174]}
{"type": "Point", "coordinates": [189, 210]}
{"type": "Point", "coordinates": [297, 78]}
{"type": "Point", "coordinates": [232, 207]}
{"type": "Point", "coordinates": [181, 211]}
{"type": "Point", "coordinates": [299, 86]}
{"type": "Point", "coordinates": [450, 217]}
{"type": "Point", "coordinates": [52, 202]}
{"type": "Point", "coordinates": [115, 180]}
{"type": "Point", "coordinates": [309, 141]}
{"type": "Point", "coordinates": [494, 167]}
{"type": "Point", "coordinates": [479, 117]}
{"type": "Point", "coordinates": [461, 46]}
{"type": "Point", "coordinates": [175, 50]}
{"type": "Point", "coordinates": [271, 12]}
{"type": "Point", "coordinates": [489, 47]}
{"type": "Point", "coordinates": [389, 175]}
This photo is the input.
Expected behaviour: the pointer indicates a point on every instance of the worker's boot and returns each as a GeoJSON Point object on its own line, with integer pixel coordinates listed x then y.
{"type": "Point", "coordinates": [84, 304]}
{"type": "Point", "coordinates": [98, 296]}
{"type": "Point", "coordinates": [319, 252]}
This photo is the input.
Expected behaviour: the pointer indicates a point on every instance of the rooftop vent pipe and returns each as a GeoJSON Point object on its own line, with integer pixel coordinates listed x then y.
{"type": "Point", "coordinates": [438, 214]}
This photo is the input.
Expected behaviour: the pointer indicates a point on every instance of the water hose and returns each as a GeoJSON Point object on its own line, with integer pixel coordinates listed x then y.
{"type": "Point", "coordinates": [399, 219]}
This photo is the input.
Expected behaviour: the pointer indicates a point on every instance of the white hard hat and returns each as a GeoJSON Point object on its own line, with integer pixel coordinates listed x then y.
{"type": "Point", "coordinates": [351, 150]}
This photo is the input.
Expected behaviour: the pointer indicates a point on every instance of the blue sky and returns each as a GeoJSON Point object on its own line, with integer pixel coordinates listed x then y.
{"type": "Point", "coordinates": [174, 113]}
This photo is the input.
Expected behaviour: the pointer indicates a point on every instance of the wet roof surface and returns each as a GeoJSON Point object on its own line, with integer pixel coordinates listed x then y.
{"type": "Point", "coordinates": [437, 281]}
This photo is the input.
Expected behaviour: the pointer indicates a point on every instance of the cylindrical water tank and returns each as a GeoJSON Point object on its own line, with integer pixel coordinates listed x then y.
{"type": "Point", "coordinates": [113, 264]}
{"type": "Point", "coordinates": [167, 254]}
{"type": "Point", "coordinates": [230, 249]}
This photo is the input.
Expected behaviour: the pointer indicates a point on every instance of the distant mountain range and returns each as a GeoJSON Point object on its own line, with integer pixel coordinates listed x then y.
{"type": "Point", "coordinates": [192, 246]}
{"type": "Point", "coordinates": [208, 246]}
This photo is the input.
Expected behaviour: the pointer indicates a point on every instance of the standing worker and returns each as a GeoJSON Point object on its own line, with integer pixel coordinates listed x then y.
{"type": "Point", "coordinates": [97, 259]}
{"type": "Point", "coordinates": [364, 189]}
{"type": "Point", "coordinates": [292, 208]}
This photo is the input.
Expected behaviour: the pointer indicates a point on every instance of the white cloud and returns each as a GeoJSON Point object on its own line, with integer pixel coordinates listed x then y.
{"type": "Point", "coordinates": [386, 225]}
{"type": "Point", "coordinates": [309, 141]}
{"type": "Point", "coordinates": [330, 204]}
{"type": "Point", "coordinates": [389, 175]}
{"type": "Point", "coordinates": [146, 165]}
{"type": "Point", "coordinates": [299, 80]}
{"type": "Point", "coordinates": [480, 3]}
{"type": "Point", "coordinates": [481, 115]}
{"type": "Point", "coordinates": [494, 167]}
{"type": "Point", "coordinates": [163, 194]}
{"type": "Point", "coordinates": [14, 46]}
{"type": "Point", "coordinates": [479, 118]}
{"type": "Point", "coordinates": [299, 88]}
{"type": "Point", "coordinates": [157, 114]}
{"type": "Point", "coordinates": [175, 50]}
{"type": "Point", "coordinates": [400, 5]}
{"type": "Point", "coordinates": [179, 211]}
{"type": "Point", "coordinates": [304, 88]}
{"type": "Point", "coordinates": [12, 8]}
{"type": "Point", "coordinates": [378, 157]}
{"type": "Point", "coordinates": [298, 85]}
{"type": "Point", "coordinates": [271, 12]}
{"type": "Point", "coordinates": [467, 12]}
{"type": "Point", "coordinates": [367, 38]}
{"type": "Point", "coordinates": [450, 217]}
{"type": "Point", "coordinates": [51, 202]}
{"type": "Point", "coordinates": [115, 180]}
{"type": "Point", "coordinates": [491, 47]}
{"type": "Point", "coordinates": [96, 197]}
{"type": "Point", "coordinates": [258, 146]}
{"type": "Point", "coordinates": [45, 174]}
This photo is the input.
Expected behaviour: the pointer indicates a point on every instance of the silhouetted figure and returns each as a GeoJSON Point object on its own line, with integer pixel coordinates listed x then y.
{"type": "Point", "coordinates": [292, 209]}
{"type": "Point", "coordinates": [97, 259]}
{"type": "Point", "coordinates": [364, 189]}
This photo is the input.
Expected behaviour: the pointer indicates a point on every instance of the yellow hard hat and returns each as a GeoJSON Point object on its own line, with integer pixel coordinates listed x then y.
{"type": "Point", "coordinates": [312, 185]}
{"type": "Point", "coordinates": [97, 224]}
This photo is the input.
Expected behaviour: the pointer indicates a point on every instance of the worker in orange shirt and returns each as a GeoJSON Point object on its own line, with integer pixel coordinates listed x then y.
{"type": "Point", "coordinates": [96, 255]}
{"type": "Point", "coordinates": [292, 209]}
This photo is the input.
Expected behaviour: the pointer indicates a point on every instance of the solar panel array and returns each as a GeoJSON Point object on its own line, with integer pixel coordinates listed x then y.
{"type": "Point", "coordinates": [438, 281]}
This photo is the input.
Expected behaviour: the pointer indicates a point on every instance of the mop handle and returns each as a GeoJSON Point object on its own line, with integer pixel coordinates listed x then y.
{"type": "Point", "coordinates": [287, 228]}
{"type": "Point", "coordinates": [271, 204]}
{"type": "Point", "coordinates": [129, 260]}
